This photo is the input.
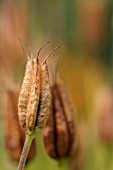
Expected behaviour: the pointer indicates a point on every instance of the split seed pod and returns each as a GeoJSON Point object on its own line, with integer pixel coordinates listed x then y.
{"type": "Point", "coordinates": [59, 133]}
{"type": "Point", "coordinates": [35, 96]}
{"type": "Point", "coordinates": [45, 97]}
{"type": "Point", "coordinates": [14, 134]}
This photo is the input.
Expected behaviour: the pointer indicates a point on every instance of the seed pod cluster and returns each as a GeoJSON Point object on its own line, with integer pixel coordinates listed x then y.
{"type": "Point", "coordinates": [14, 134]}
{"type": "Point", "coordinates": [59, 133]}
{"type": "Point", "coordinates": [35, 96]}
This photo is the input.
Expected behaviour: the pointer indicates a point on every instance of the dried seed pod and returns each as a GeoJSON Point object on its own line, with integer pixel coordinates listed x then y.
{"type": "Point", "coordinates": [49, 136]}
{"type": "Point", "coordinates": [25, 93]}
{"type": "Point", "coordinates": [34, 96]}
{"type": "Point", "coordinates": [59, 133]}
{"type": "Point", "coordinates": [68, 108]}
{"type": "Point", "coordinates": [45, 97]}
{"type": "Point", "coordinates": [34, 99]}
{"type": "Point", "coordinates": [14, 134]}
{"type": "Point", "coordinates": [29, 95]}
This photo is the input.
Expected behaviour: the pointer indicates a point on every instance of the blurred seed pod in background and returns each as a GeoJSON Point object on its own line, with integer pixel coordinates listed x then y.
{"type": "Point", "coordinates": [10, 18]}
{"type": "Point", "coordinates": [77, 155]}
{"type": "Point", "coordinates": [104, 114]}
{"type": "Point", "coordinates": [59, 134]}
{"type": "Point", "coordinates": [14, 134]}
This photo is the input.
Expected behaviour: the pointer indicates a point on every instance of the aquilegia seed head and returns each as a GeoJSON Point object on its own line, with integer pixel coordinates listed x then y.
{"type": "Point", "coordinates": [35, 96]}
{"type": "Point", "coordinates": [59, 133]}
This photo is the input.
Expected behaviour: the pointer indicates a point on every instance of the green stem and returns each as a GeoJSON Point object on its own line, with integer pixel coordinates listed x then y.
{"type": "Point", "coordinates": [24, 154]}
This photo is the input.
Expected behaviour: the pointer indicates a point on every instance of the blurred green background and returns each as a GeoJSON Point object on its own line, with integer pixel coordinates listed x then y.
{"type": "Point", "coordinates": [86, 67]}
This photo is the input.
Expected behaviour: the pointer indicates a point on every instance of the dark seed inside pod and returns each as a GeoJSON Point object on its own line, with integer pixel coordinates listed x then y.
{"type": "Point", "coordinates": [60, 131]}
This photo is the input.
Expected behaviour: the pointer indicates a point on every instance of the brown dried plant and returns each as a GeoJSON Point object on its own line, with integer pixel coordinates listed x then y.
{"type": "Point", "coordinates": [34, 99]}
{"type": "Point", "coordinates": [35, 96]}
{"type": "Point", "coordinates": [59, 135]}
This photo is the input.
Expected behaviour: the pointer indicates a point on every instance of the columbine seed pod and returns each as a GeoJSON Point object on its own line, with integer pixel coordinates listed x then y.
{"type": "Point", "coordinates": [14, 134]}
{"type": "Point", "coordinates": [59, 133]}
{"type": "Point", "coordinates": [35, 97]}
{"type": "Point", "coordinates": [45, 97]}
{"type": "Point", "coordinates": [25, 93]}
{"type": "Point", "coordinates": [68, 108]}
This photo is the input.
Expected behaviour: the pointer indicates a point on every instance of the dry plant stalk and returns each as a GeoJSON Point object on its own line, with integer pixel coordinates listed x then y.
{"type": "Point", "coordinates": [14, 134]}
